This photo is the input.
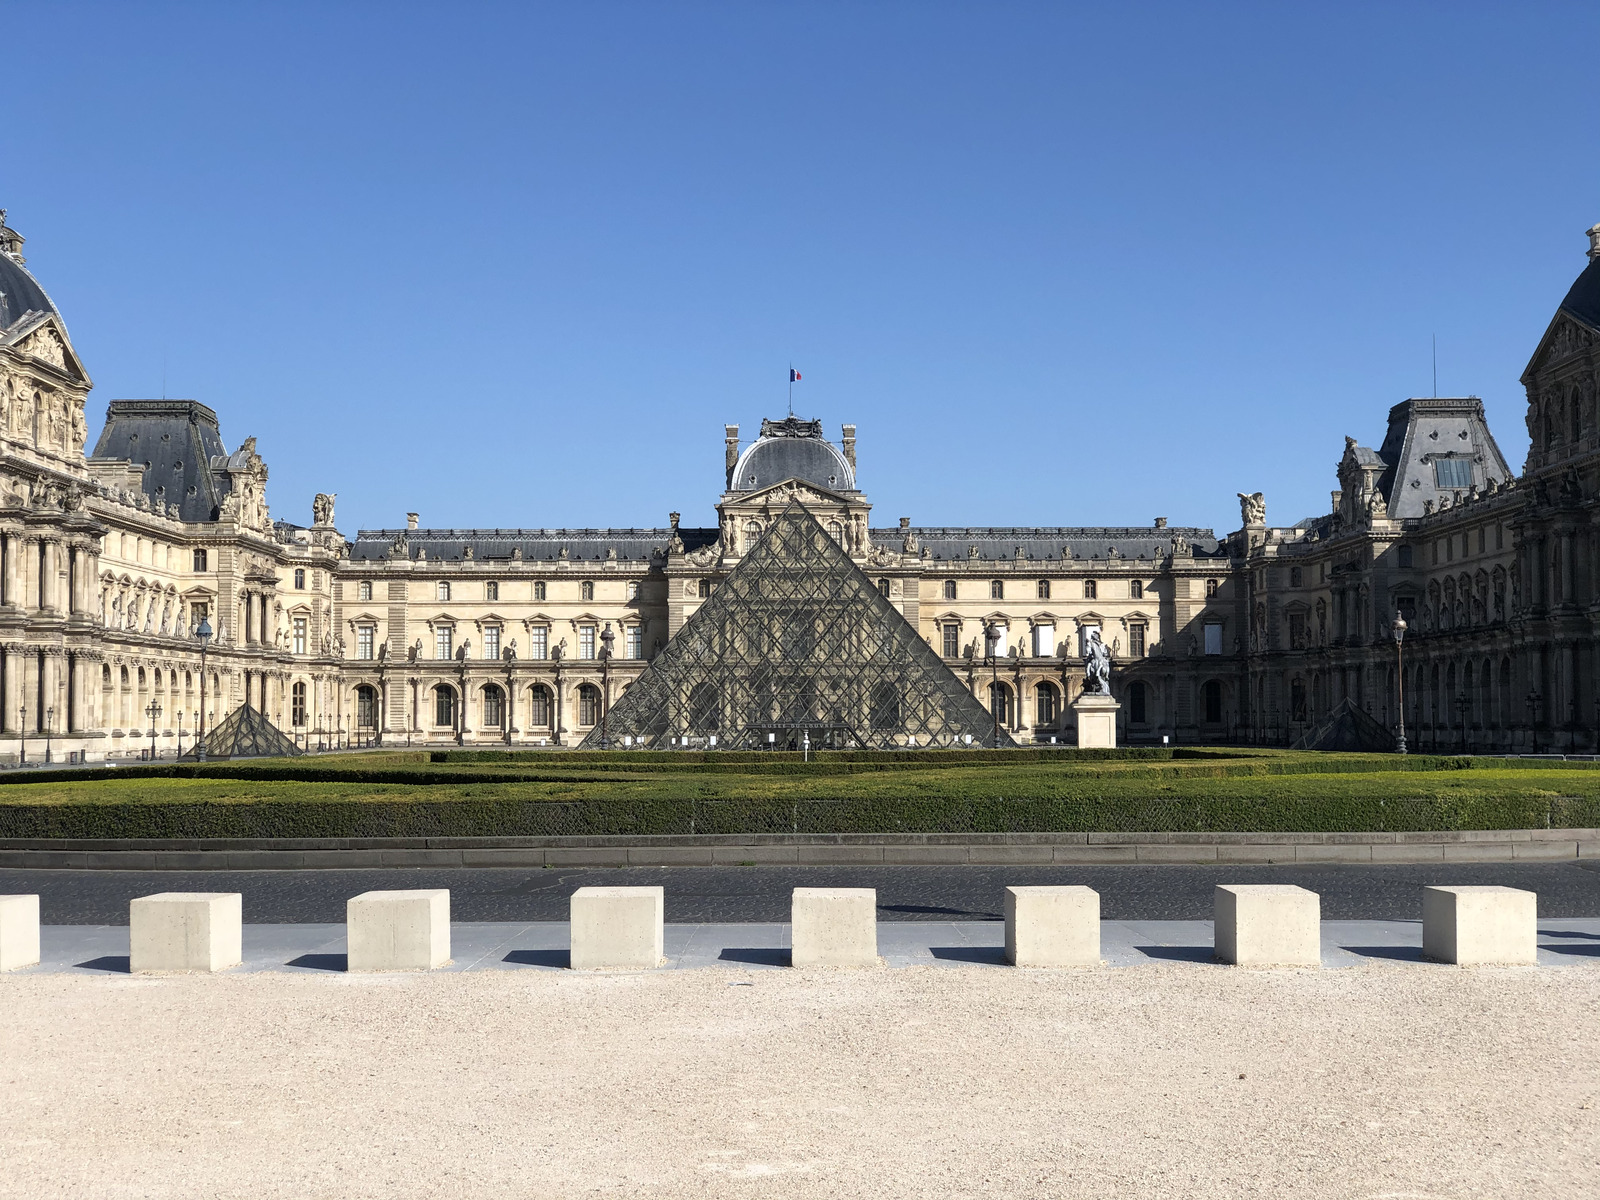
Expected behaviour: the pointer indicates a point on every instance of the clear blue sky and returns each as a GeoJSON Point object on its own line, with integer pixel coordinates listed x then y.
{"type": "Point", "coordinates": [517, 264]}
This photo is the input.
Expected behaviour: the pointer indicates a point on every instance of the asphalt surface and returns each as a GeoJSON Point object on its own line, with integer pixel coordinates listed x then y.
{"type": "Point", "coordinates": [761, 894]}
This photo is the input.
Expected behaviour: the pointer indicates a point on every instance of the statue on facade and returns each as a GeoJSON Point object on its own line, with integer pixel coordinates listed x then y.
{"type": "Point", "coordinates": [322, 508]}
{"type": "Point", "coordinates": [1253, 508]}
{"type": "Point", "coordinates": [1096, 664]}
{"type": "Point", "coordinates": [510, 652]}
{"type": "Point", "coordinates": [414, 652]}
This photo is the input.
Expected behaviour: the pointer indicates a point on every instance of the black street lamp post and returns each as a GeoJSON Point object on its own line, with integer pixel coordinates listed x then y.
{"type": "Point", "coordinates": [153, 711]}
{"type": "Point", "coordinates": [180, 733]}
{"type": "Point", "coordinates": [1533, 701]}
{"type": "Point", "coordinates": [49, 724]}
{"type": "Point", "coordinates": [22, 737]}
{"type": "Point", "coordinates": [202, 634]}
{"type": "Point", "coordinates": [991, 639]}
{"type": "Point", "coordinates": [1463, 703]}
{"type": "Point", "coordinates": [1399, 631]}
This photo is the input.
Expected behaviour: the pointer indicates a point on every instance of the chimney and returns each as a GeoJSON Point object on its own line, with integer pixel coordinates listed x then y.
{"type": "Point", "coordinates": [730, 438]}
{"type": "Point", "coordinates": [411, 520]}
{"type": "Point", "coordinates": [849, 446]}
{"type": "Point", "coordinates": [1594, 242]}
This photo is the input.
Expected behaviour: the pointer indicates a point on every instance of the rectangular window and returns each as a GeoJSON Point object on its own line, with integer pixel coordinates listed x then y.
{"type": "Point", "coordinates": [1483, 539]}
{"type": "Point", "coordinates": [1453, 472]}
{"type": "Point", "coordinates": [300, 578]}
{"type": "Point", "coordinates": [1297, 631]}
{"type": "Point", "coordinates": [539, 642]}
{"type": "Point", "coordinates": [1213, 639]}
{"type": "Point", "coordinates": [364, 639]}
{"type": "Point", "coordinates": [199, 560]}
{"type": "Point", "coordinates": [633, 590]}
{"type": "Point", "coordinates": [364, 590]}
{"type": "Point", "coordinates": [952, 641]}
{"type": "Point", "coordinates": [491, 590]}
{"type": "Point", "coordinates": [538, 591]}
{"type": "Point", "coordinates": [299, 635]}
{"type": "Point", "coordinates": [585, 641]}
{"type": "Point", "coordinates": [1136, 639]}
{"type": "Point", "coordinates": [635, 640]}
{"type": "Point", "coordinates": [442, 639]}
{"type": "Point", "coordinates": [491, 641]}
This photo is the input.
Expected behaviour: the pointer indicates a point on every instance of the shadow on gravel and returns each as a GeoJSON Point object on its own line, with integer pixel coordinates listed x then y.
{"type": "Point", "coordinates": [935, 910]}
{"type": "Point", "coordinates": [1194, 954]}
{"type": "Point", "coordinates": [1571, 933]}
{"type": "Point", "coordinates": [109, 962]}
{"type": "Point", "coordinates": [540, 958]}
{"type": "Point", "coordinates": [761, 956]}
{"type": "Point", "coordinates": [1398, 953]}
{"type": "Point", "coordinates": [322, 962]}
{"type": "Point", "coordinates": [994, 956]}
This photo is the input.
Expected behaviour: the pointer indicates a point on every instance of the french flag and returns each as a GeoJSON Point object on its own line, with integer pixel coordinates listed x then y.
{"type": "Point", "coordinates": [794, 376]}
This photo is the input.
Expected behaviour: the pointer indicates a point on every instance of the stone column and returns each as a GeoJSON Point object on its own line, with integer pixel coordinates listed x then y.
{"type": "Point", "coordinates": [1566, 568]}
{"type": "Point", "coordinates": [13, 580]}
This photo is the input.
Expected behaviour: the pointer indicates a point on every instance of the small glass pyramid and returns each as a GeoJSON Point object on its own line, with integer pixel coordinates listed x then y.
{"type": "Point", "coordinates": [797, 645]}
{"type": "Point", "coordinates": [246, 733]}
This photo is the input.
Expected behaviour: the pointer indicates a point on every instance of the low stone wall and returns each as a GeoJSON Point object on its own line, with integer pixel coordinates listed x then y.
{"type": "Point", "coordinates": [924, 849]}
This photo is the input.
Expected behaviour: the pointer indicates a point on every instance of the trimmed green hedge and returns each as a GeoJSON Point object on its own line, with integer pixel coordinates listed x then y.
{"type": "Point", "coordinates": [499, 817]}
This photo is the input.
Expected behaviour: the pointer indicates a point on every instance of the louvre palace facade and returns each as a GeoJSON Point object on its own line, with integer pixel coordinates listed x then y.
{"type": "Point", "coordinates": [1272, 634]}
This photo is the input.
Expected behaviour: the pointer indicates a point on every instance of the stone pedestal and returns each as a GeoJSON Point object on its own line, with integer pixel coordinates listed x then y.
{"type": "Point", "coordinates": [617, 927]}
{"type": "Point", "coordinates": [1097, 720]}
{"type": "Point", "coordinates": [398, 931]}
{"type": "Point", "coordinates": [834, 927]}
{"type": "Point", "coordinates": [1053, 926]}
{"type": "Point", "coordinates": [185, 931]}
{"type": "Point", "coordinates": [1268, 925]}
{"type": "Point", "coordinates": [1474, 926]}
{"type": "Point", "coordinates": [19, 932]}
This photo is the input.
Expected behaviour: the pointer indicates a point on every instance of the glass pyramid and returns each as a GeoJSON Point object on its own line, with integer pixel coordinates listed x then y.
{"type": "Point", "coordinates": [797, 644]}
{"type": "Point", "coordinates": [246, 733]}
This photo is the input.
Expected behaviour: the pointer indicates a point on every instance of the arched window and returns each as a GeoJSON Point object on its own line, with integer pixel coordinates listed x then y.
{"type": "Point", "coordinates": [366, 706]}
{"type": "Point", "coordinates": [444, 589]}
{"type": "Point", "coordinates": [997, 589]}
{"type": "Point", "coordinates": [1213, 701]}
{"type": "Point", "coordinates": [1043, 589]}
{"type": "Point", "coordinates": [297, 704]}
{"type": "Point", "coordinates": [539, 706]}
{"type": "Point", "coordinates": [949, 589]}
{"type": "Point", "coordinates": [491, 590]}
{"type": "Point", "coordinates": [1000, 702]}
{"type": "Point", "coordinates": [588, 704]}
{"type": "Point", "coordinates": [586, 588]}
{"type": "Point", "coordinates": [703, 589]}
{"type": "Point", "coordinates": [1091, 589]}
{"type": "Point", "coordinates": [493, 705]}
{"type": "Point", "coordinates": [1136, 589]}
{"type": "Point", "coordinates": [1044, 701]}
{"type": "Point", "coordinates": [705, 709]}
{"type": "Point", "coordinates": [1136, 703]}
{"type": "Point", "coordinates": [883, 587]}
{"type": "Point", "coordinates": [885, 711]}
{"type": "Point", "coordinates": [752, 534]}
{"type": "Point", "coordinates": [364, 590]}
{"type": "Point", "coordinates": [836, 532]}
{"type": "Point", "coordinates": [444, 706]}
{"type": "Point", "coordinates": [1297, 700]}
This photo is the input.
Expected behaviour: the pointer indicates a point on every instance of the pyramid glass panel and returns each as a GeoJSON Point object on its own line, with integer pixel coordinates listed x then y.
{"type": "Point", "coordinates": [246, 733]}
{"type": "Point", "coordinates": [797, 645]}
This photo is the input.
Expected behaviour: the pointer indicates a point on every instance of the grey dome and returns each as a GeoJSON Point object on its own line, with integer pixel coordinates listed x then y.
{"type": "Point", "coordinates": [20, 293]}
{"type": "Point", "coordinates": [793, 450]}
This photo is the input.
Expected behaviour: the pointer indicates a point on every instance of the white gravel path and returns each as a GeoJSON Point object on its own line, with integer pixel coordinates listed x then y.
{"type": "Point", "coordinates": [1414, 1082]}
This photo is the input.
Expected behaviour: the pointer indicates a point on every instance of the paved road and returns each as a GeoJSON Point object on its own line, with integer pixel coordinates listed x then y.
{"type": "Point", "coordinates": [761, 894]}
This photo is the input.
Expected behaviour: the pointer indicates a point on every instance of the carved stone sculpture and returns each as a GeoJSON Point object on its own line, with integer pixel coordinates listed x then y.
{"type": "Point", "coordinates": [322, 508]}
{"type": "Point", "coordinates": [1096, 664]}
{"type": "Point", "coordinates": [1253, 508]}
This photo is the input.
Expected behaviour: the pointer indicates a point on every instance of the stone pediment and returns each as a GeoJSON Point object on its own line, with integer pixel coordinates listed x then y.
{"type": "Point", "coordinates": [1565, 338]}
{"type": "Point", "coordinates": [44, 339]}
{"type": "Point", "coordinates": [779, 494]}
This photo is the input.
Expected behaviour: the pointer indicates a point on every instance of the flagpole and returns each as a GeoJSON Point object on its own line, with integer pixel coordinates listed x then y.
{"type": "Point", "coordinates": [791, 389]}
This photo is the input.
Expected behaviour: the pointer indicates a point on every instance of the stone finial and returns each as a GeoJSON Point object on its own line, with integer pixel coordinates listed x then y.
{"type": "Point", "coordinates": [1161, 522]}
{"type": "Point", "coordinates": [1594, 242]}
{"type": "Point", "coordinates": [848, 444]}
{"type": "Point", "coordinates": [10, 241]}
{"type": "Point", "coordinates": [411, 520]}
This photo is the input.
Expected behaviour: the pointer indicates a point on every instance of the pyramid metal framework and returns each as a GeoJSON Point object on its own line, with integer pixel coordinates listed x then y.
{"type": "Point", "coordinates": [246, 733]}
{"type": "Point", "coordinates": [796, 645]}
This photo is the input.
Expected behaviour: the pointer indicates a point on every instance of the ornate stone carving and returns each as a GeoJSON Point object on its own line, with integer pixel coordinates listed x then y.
{"type": "Point", "coordinates": [322, 508]}
{"type": "Point", "coordinates": [1252, 508]}
{"type": "Point", "coordinates": [1096, 663]}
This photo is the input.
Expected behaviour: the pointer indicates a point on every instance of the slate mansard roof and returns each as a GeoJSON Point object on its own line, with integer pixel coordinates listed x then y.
{"type": "Point", "coordinates": [20, 293]}
{"type": "Point", "coordinates": [792, 449]}
{"type": "Point", "coordinates": [1583, 298]}
{"type": "Point", "coordinates": [1063, 543]}
{"type": "Point", "coordinates": [178, 443]}
{"type": "Point", "coordinates": [537, 545]}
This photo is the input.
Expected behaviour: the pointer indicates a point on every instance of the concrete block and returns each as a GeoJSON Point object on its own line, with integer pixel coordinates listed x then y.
{"type": "Point", "coordinates": [1482, 924]}
{"type": "Point", "coordinates": [185, 931]}
{"type": "Point", "coordinates": [618, 927]}
{"type": "Point", "coordinates": [398, 931]}
{"type": "Point", "coordinates": [834, 927]}
{"type": "Point", "coordinates": [19, 932]}
{"type": "Point", "coordinates": [1053, 926]}
{"type": "Point", "coordinates": [1268, 925]}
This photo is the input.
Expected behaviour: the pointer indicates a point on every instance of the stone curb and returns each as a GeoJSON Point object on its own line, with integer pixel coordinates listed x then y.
{"type": "Point", "coordinates": [202, 854]}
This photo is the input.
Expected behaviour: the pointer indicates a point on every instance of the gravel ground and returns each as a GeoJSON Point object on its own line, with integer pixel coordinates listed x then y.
{"type": "Point", "coordinates": [1169, 1081]}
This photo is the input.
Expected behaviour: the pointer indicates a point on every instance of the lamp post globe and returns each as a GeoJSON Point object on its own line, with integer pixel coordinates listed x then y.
{"type": "Point", "coordinates": [1398, 629]}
